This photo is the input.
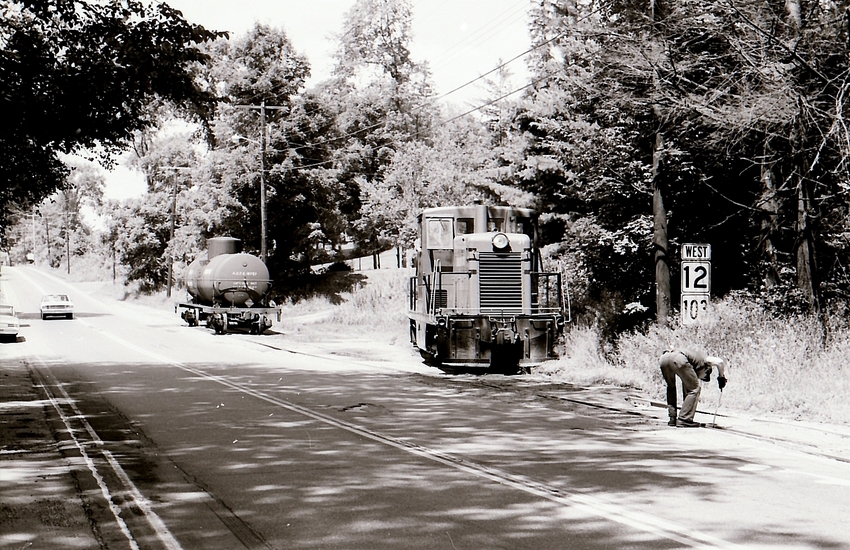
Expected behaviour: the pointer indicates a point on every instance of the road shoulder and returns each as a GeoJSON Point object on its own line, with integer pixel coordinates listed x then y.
{"type": "Point", "coordinates": [40, 506]}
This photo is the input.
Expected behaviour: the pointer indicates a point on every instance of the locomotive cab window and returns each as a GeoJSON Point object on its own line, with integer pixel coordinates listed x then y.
{"type": "Point", "coordinates": [525, 226]}
{"type": "Point", "coordinates": [465, 226]}
{"type": "Point", "coordinates": [495, 224]}
{"type": "Point", "coordinates": [440, 233]}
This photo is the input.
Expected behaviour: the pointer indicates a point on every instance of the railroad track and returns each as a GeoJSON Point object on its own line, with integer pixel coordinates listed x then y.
{"type": "Point", "coordinates": [132, 502]}
{"type": "Point", "coordinates": [638, 408]}
{"type": "Point", "coordinates": [809, 447]}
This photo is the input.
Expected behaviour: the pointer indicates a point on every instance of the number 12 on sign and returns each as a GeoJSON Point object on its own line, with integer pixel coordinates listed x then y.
{"type": "Point", "coordinates": [692, 306]}
{"type": "Point", "coordinates": [696, 277]}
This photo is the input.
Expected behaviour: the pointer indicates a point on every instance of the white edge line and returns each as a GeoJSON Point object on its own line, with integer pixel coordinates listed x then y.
{"type": "Point", "coordinates": [139, 499]}
{"type": "Point", "coordinates": [598, 507]}
{"type": "Point", "coordinates": [104, 490]}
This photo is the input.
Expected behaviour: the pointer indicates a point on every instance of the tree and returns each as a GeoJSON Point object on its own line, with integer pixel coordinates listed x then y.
{"type": "Point", "coordinates": [384, 103]}
{"type": "Point", "coordinates": [80, 75]}
{"type": "Point", "coordinates": [270, 131]}
{"type": "Point", "coordinates": [376, 40]}
{"type": "Point", "coordinates": [585, 158]}
{"type": "Point", "coordinates": [186, 203]}
{"type": "Point", "coordinates": [730, 114]}
{"type": "Point", "coordinates": [56, 230]}
{"type": "Point", "coordinates": [454, 169]}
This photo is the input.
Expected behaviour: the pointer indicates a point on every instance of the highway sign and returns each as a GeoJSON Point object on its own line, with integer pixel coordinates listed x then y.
{"type": "Point", "coordinates": [696, 252]}
{"type": "Point", "coordinates": [696, 282]}
{"type": "Point", "coordinates": [696, 277]}
{"type": "Point", "coordinates": [693, 307]}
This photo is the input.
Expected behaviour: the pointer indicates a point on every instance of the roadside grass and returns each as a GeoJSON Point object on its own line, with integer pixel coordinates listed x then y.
{"type": "Point", "coordinates": [376, 308]}
{"type": "Point", "coordinates": [777, 366]}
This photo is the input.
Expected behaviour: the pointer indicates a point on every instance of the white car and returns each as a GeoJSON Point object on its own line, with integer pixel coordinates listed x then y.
{"type": "Point", "coordinates": [56, 305]}
{"type": "Point", "coordinates": [9, 323]}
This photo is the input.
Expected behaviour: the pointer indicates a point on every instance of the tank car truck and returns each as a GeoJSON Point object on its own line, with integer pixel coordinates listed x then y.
{"type": "Point", "coordinates": [228, 289]}
{"type": "Point", "coordinates": [479, 297]}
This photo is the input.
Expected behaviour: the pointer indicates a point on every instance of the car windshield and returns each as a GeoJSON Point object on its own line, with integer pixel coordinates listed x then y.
{"type": "Point", "coordinates": [55, 298]}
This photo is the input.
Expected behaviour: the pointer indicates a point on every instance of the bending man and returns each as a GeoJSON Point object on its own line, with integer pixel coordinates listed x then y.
{"type": "Point", "coordinates": [690, 367]}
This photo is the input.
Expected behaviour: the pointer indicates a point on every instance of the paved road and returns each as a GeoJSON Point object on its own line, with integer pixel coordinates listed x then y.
{"type": "Point", "coordinates": [173, 437]}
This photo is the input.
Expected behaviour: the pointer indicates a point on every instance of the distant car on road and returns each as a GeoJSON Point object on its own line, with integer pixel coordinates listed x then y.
{"type": "Point", "coordinates": [56, 305]}
{"type": "Point", "coordinates": [9, 324]}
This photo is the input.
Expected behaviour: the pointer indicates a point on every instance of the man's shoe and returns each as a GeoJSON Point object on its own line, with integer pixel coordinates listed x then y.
{"type": "Point", "coordinates": [683, 423]}
{"type": "Point", "coordinates": [671, 422]}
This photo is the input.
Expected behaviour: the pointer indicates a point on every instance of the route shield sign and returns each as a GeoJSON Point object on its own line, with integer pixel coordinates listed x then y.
{"type": "Point", "coordinates": [696, 277]}
{"type": "Point", "coordinates": [694, 305]}
{"type": "Point", "coordinates": [696, 282]}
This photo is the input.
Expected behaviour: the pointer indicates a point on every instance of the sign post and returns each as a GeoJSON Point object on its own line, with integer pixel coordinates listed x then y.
{"type": "Point", "coordinates": [696, 282]}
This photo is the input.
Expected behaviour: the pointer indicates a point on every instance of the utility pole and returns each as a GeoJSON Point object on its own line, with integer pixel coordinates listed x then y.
{"type": "Point", "coordinates": [171, 232]}
{"type": "Point", "coordinates": [262, 108]}
{"type": "Point", "coordinates": [32, 248]}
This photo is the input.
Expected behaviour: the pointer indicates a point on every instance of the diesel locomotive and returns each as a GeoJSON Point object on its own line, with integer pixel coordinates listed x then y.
{"type": "Point", "coordinates": [228, 289]}
{"type": "Point", "coordinates": [479, 297]}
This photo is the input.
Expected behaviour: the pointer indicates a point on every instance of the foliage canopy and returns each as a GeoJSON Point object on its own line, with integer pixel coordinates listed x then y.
{"type": "Point", "coordinates": [77, 75]}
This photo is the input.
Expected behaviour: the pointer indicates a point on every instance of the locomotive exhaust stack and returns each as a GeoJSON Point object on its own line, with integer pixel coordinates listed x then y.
{"type": "Point", "coordinates": [228, 289]}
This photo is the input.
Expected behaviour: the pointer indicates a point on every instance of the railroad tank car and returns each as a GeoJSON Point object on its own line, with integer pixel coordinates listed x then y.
{"type": "Point", "coordinates": [228, 289]}
{"type": "Point", "coordinates": [479, 297]}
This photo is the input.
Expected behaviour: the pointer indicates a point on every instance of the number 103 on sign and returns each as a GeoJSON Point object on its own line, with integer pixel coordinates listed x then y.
{"type": "Point", "coordinates": [693, 305]}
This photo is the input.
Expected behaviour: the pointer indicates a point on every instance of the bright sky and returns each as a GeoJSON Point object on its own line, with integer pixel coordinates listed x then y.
{"type": "Point", "coordinates": [459, 39]}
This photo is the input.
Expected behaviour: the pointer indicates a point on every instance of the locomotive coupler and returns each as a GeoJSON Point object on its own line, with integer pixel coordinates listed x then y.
{"type": "Point", "coordinates": [504, 331]}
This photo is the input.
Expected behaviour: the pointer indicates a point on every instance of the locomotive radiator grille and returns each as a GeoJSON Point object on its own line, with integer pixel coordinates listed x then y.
{"type": "Point", "coordinates": [500, 282]}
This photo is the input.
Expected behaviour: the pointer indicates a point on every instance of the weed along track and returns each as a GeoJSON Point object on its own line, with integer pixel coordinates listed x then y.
{"type": "Point", "coordinates": [635, 410]}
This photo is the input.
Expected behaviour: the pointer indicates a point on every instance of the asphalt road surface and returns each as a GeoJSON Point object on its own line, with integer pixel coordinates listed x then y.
{"type": "Point", "coordinates": [180, 438]}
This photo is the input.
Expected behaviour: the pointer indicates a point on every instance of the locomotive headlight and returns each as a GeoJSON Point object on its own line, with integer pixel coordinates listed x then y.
{"type": "Point", "coordinates": [501, 243]}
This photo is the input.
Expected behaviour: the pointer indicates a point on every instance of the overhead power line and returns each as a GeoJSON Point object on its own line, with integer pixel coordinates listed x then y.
{"type": "Point", "coordinates": [434, 100]}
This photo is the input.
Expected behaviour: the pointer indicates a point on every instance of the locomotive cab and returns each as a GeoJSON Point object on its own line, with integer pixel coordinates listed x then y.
{"type": "Point", "coordinates": [479, 297]}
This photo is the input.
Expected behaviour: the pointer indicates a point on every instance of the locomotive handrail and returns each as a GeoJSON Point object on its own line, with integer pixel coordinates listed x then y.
{"type": "Point", "coordinates": [438, 285]}
{"type": "Point", "coordinates": [558, 294]}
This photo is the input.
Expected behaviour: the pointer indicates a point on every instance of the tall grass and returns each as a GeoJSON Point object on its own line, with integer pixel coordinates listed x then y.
{"type": "Point", "coordinates": [781, 366]}
{"type": "Point", "coordinates": [376, 308]}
